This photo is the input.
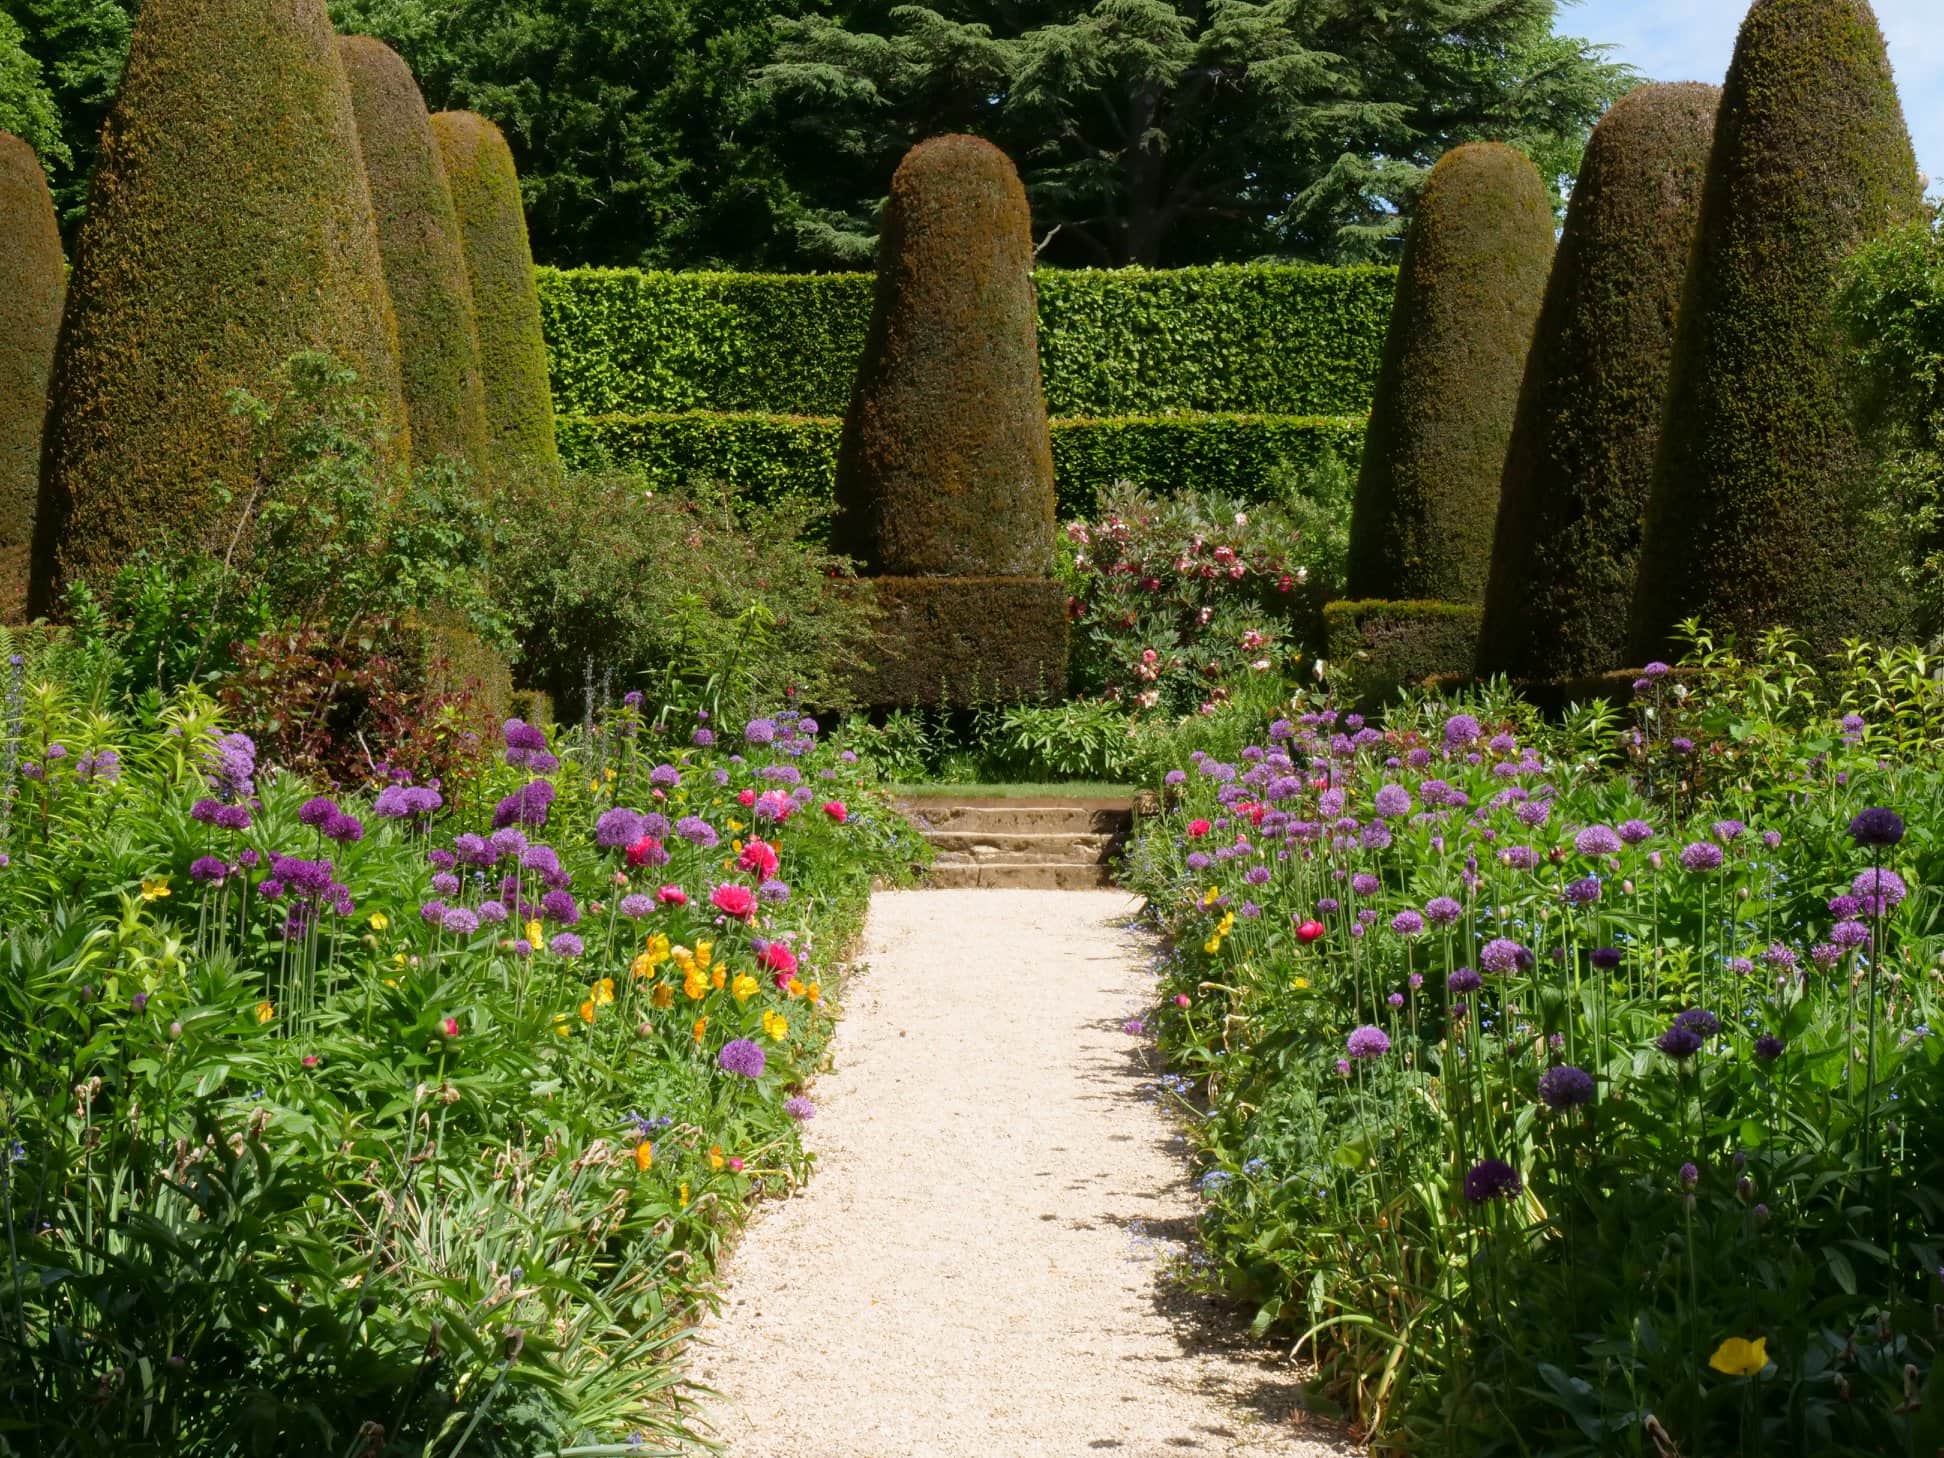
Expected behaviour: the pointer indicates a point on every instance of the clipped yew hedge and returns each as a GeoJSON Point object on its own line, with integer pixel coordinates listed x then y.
{"type": "Point", "coordinates": [1271, 339]}
{"type": "Point", "coordinates": [768, 456]}
{"type": "Point", "coordinates": [1376, 648]}
{"type": "Point", "coordinates": [33, 280]}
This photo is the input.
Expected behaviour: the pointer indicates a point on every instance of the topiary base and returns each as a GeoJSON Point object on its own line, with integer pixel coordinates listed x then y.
{"type": "Point", "coordinates": [960, 641]}
{"type": "Point", "coordinates": [1376, 648]}
{"type": "Point", "coordinates": [453, 659]}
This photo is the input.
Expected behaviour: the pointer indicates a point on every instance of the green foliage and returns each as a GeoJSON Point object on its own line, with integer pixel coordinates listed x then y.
{"type": "Point", "coordinates": [1892, 302]}
{"type": "Point", "coordinates": [945, 467]}
{"type": "Point", "coordinates": [705, 605]}
{"type": "Point", "coordinates": [1270, 339]}
{"type": "Point", "coordinates": [768, 457]}
{"type": "Point", "coordinates": [1374, 649]}
{"type": "Point", "coordinates": [1474, 274]}
{"type": "Point", "coordinates": [425, 264]}
{"type": "Point", "coordinates": [1164, 134]}
{"type": "Point", "coordinates": [33, 282]}
{"type": "Point", "coordinates": [78, 48]}
{"type": "Point", "coordinates": [27, 108]}
{"type": "Point", "coordinates": [182, 292]}
{"type": "Point", "coordinates": [1582, 453]}
{"type": "Point", "coordinates": [1766, 509]}
{"type": "Point", "coordinates": [499, 271]}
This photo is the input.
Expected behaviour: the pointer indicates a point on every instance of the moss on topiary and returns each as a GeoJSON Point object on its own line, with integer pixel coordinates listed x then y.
{"type": "Point", "coordinates": [946, 466]}
{"type": "Point", "coordinates": [229, 227]}
{"type": "Point", "coordinates": [1589, 418]}
{"type": "Point", "coordinates": [506, 306]}
{"type": "Point", "coordinates": [1468, 294]}
{"type": "Point", "coordinates": [425, 265]}
{"type": "Point", "coordinates": [1763, 507]}
{"type": "Point", "coordinates": [33, 279]}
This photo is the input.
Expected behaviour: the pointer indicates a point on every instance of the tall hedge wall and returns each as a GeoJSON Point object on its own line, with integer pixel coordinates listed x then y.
{"type": "Point", "coordinates": [1268, 339]}
{"type": "Point", "coordinates": [1582, 453]}
{"type": "Point", "coordinates": [229, 227]}
{"type": "Point", "coordinates": [770, 456]}
{"type": "Point", "coordinates": [1763, 508]}
{"type": "Point", "coordinates": [33, 279]}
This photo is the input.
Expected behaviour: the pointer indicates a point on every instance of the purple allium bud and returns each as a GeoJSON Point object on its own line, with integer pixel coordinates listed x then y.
{"type": "Point", "coordinates": [1768, 1047]}
{"type": "Point", "coordinates": [1605, 958]}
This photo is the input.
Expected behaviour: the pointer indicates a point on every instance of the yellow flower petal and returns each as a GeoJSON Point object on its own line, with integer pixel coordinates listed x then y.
{"type": "Point", "coordinates": [1738, 1358]}
{"type": "Point", "coordinates": [644, 1155]}
{"type": "Point", "coordinates": [378, 921]}
{"type": "Point", "coordinates": [265, 1012]}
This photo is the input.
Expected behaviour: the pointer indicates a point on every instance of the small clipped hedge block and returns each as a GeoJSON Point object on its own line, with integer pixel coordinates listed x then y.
{"type": "Point", "coordinates": [425, 265]}
{"type": "Point", "coordinates": [1576, 475]}
{"type": "Point", "coordinates": [451, 659]}
{"type": "Point", "coordinates": [770, 456]}
{"type": "Point", "coordinates": [1765, 506]}
{"type": "Point", "coordinates": [945, 466]}
{"type": "Point", "coordinates": [1468, 295]}
{"type": "Point", "coordinates": [963, 641]}
{"type": "Point", "coordinates": [1269, 339]}
{"type": "Point", "coordinates": [1377, 648]}
{"type": "Point", "coordinates": [33, 282]}
{"type": "Point", "coordinates": [229, 227]}
{"type": "Point", "coordinates": [506, 308]}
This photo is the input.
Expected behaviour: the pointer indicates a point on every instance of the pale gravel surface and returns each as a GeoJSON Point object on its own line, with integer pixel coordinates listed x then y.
{"type": "Point", "coordinates": [978, 1264]}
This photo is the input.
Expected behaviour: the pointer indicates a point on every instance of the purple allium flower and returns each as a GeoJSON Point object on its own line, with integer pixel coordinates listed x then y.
{"type": "Point", "coordinates": [617, 828]}
{"type": "Point", "coordinates": [560, 906]}
{"type": "Point", "coordinates": [1690, 1174]}
{"type": "Point", "coordinates": [1198, 861]}
{"type": "Point", "coordinates": [1741, 966]}
{"type": "Point", "coordinates": [1519, 857]}
{"type": "Point", "coordinates": [703, 738]}
{"type": "Point", "coordinates": [306, 878]}
{"type": "Point", "coordinates": [1681, 746]}
{"type": "Point", "coordinates": [1877, 828]}
{"type": "Point", "coordinates": [205, 811]}
{"type": "Point", "coordinates": [1679, 1042]}
{"type": "Point", "coordinates": [1175, 777]}
{"type": "Point", "coordinates": [432, 913]}
{"type": "Point", "coordinates": [526, 806]}
{"type": "Point", "coordinates": [1365, 884]}
{"type": "Point", "coordinates": [1583, 892]}
{"type": "Point", "coordinates": [637, 906]}
{"type": "Point", "coordinates": [1328, 906]}
{"type": "Point", "coordinates": [664, 777]}
{"type": "Point", "coordinates": [1844, 907]}
{"type": "Point", "coordinates": [1825, 955]}
{"type": "Point", "coordinates": [315, 811]}
{"type": "Point", "coordinates": [1727, 830]}
{"type": "Point", "coordinates": [522, 947]}
{"type": "Point", "coordinates": [233, 817]}
{"type": "Point", "coordinates": [1781, 958]}
{"type": "Point", "coordinates": [799, 1108]}
{"type": "Point", "coordinates": [1605, 958]}
{"type": "Point", "coordinates": [1491, 1179]}
{"type": "Point", "coordinates": [739, 1055]}
{"type": "Point", "coordinates": [1597, 840]}
{"type": "Point", "coordinates": [697, 832]}
{"type": "Point", "coordinates": [1407, 924]}
{"type": "Point", "coordinates": [1850, 934]}
{"type": "Point", "coordinates": [1534, 812]}
{"type": "Point", "coordinates": [1565, 1087]}
{"type": "Point", "coordinates": [446, 884]}
{"type": "Point", "coordinates": [1464, 980]}
{"type": "Point", "coordinates": [1768, 1047]}
{"type": "Point", "coordinates": [459, 921]}
{"type": "Point", "coordinates": [773, 891]}
{"type": "Point", "coordinates": [759, 731]}
{"type": "Point", "coordinates": [1256, 875]}
{"type": "Point", "coordinates": [1442, 911]}
{"type": "Point", "coordinates": [1633, 832]}
{"type": "Point", "coordinates": [230, 767]}
{"type": "Point", "coordinates": [492, 912]}
{"type": "Point", "coordinates": [632, 699]}
{"type": "Point", "coordinates": [1879, 890]}
{"type": "Point", "coordinates": [1699, 1020]}
{"type": "Point", "coordinates": [270, 888]}
{"type": "Point", "coordinates": [1392, 801]}
{"type": "Point", "coordinates": [1701, 855]}
{"type": "Point", "coordinates": [1376, 836]}
{"type": "Point", "coordinates": [1502, 954]}
{"type": "Point", "coordinates": [1460, 730]}
{"type": "Point", "coordinates": [344, 829]}
{"type": "Point", "coordinates": [472, 850]}
{"type": "Point", "coordinates": [566, 944]}
{"type": "Point", "coordinates": [1367, 1042]}
{"type": "Point", "coordinates": [422, 799]}
{"type": "Point", "coordinates": [208, 869]}
{"type": "Point", "coordinates": [1343, 1067]}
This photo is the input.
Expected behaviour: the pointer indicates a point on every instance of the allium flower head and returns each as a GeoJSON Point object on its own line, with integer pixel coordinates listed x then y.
{"type": "Point", "coordinates": [1491, 1179]}
{"type": "Point", "coordinates": [1597, 840]}
{"type": "Point", "coordinates": [741, 1056]}
{"type": "Point", "coordinates": [1679, 1042]}
{"type": "Point", "coordinates": [1701, 855]}
{"type": "Point", "coordinates": [1393, 801]}
{"type": "Point", "coordinates": [617, 828]}
{"type": "Point", "coordinates": [1877, 828]}
{"type": "Point", "coordinates": [1699, 1020]}
{"type": "Point", "coordinates": [1365, 884]}
{"type": "Point", "coordinates": [799, 1108]}
{"type": "Point", "coordinates": [1879, 889]}
{"type": "Point", "coordinates": [316, 810]}
{"type": "Point", "coordinates": [1367, 1042]}
{"type": "Point", "coordinates": [208, 869]}
{"type": "Point", "coordinates": [1727, 830]}
{"type": "Point", "coordinates": [342, 828]}
{"type": "Point", "coordinates": [459, 921]}
{"type": "Point", "coordinates": [1463, 981]}
{"type": "Point", "coordinates": [1442, 911]}
{"type": "Point", "coordinates": [566, 944]}
{"type": "Point", "coordinates": [1460, 730]}
{"type": "Point", "coordinates": [1605, 958]}
{"type": "Point", "coordinates": [1850, 934]}
{"type": "Point", "coordinates": [1407, 924]}
{"type": "Point", "coordinates": [1565, 1087]}
{"type": "Point", "coordinates": [526, 806]}
{"type": "Point", "coordinates": [1768, 1047]}
{"type": "Point", "coordinates": [1582, 892]}
{"type": "Point", "coordinates": [697, 832]}
{"type": "Point", "coordinates": [760, 731]}
{"type": "Point", "coordinates": [1502, 954]}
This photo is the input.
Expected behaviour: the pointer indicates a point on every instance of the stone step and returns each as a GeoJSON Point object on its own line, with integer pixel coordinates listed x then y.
{"type": "Point", "coordinates": [987, 847]}
{"type": "Point", "coordinates": [1014, 818]}
{"type": "Point", "coordinates": [1021, 876]}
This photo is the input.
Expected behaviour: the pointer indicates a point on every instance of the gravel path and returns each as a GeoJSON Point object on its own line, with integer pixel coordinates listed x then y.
{"type": "Point", "coordinates": [976, 1267]}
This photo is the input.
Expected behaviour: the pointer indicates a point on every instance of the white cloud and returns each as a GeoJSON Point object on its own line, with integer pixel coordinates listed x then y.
{"type": "Point", "coordinates": [1692, 40]}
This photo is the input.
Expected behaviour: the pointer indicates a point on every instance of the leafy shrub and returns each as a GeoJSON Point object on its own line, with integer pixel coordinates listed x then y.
{"type": "Point", "coordinates": [1377, 648]}
{"type": "Point", "coordinates": [1176, 598]}
{"type": "Point", "coordinates": [33, 283]}
{"type": "Point", "coordinates": [712, 607]}
{"type": "Point", "coordinates": [1274, 339]}
{"type": "Point", "coordinates": [1765, 509]}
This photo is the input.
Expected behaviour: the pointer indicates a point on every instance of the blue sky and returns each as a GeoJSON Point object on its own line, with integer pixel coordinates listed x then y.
{"type": "Point", "coordinates": [1692, 40]}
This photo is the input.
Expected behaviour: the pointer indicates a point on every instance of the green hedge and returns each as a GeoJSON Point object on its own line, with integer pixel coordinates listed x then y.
{"type": "Point", "coordinates": [1275, 339]}
{"type": "Point", "coordinates": [767, 456]}
{"type": "Point", "coordinates": [1376, 648]}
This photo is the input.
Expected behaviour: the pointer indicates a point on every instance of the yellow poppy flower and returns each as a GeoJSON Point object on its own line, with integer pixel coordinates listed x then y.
{"type": "Point", "coordinates": [658, 947]}
{"type": "Point", "coordinates": [718, 977]}
{"type": "Point", "coordinates": [1211, 895]}
{"type": "Point", "coordinates": [695, 986]}
{"type": "Point", "coordinates": [814, 992]}
{"type": "Point", "coordinates": [716, 1161]}
{"type": "Point", "coordinates": [535, 933]}
{"type": "Point", "coordinates": [587, 1011]}
{"type": "Point", "coordinates": [1301, 984]}
{"type": "Point", "coordinates": [398, 959]}
{"type": "Point", "coordinates": [736, 846]}
{"type": "Point", "coordinates": [603, 991]}
{"type": "Point", "coordinates": [1212, 945]}
{"type": "Point", "coordinates": [701, 1027]}
{"type": "Point", "coordinates": [1738, 1358]}
{"type": "Point", "coordinates": [682, 957]}
{"type": "Point", "coordinates": [607, 774]}
{"type": "Point", "coordinates": [682, 1193]}
{"type": "Point", "coordinates": [1226, 924]}
{"type": "Point", "coordinates": [776, 1027]}
{"type": "Point", "coordinates": [734, 824]}
{"type": "Point", "coordinates": [663, 995]}
{"type": "Point", "coordinates": [794, 987]}
{"type": "Point", "coordinates": [744, 987]}
{"type": "Point", "coordinates": [704, 953]}
{"type": "Point", "coordinates": [264, 1012]}
{"type": "Point", "coordinates": [644, 1155]}
{"type": "Point", "coordinates": [562, 1026]}
{"type": "Point", "coordinates": [154, 888]}
{"type": "Point", "coordinates": [378, 921]}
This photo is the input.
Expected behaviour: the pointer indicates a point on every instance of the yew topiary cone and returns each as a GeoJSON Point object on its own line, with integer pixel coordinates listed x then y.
{"type": "Point", "coordinates": [1589, 419]}
{"type": "Point", "coordinates": [945, 469]}
{"type": "Point", "coordinates": [229, 227]}
{"type": "Point", "coordinates": [1468, 295]}
{"type": "Point", "coordinates": [1763, 508]}
{"type": "Point", "coordinates": [32, 283]}
{"type": "Point", "coordinates": [425, 264]}
{"type": "Point", "coordinates": [506, 305]}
